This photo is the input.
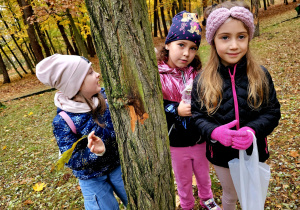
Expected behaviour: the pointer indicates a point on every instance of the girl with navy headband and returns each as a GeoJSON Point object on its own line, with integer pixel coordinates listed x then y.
{"type": "Point", "coordinates": [233, 96]}
{"type": "Point", "coordinates": [178, 64]}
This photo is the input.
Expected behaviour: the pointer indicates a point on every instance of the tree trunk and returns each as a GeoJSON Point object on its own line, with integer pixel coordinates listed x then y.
{"type": "Point", "coordinates": [73, 40]}
{"type": "Point", "coordinates": [129, 69]}
{"type": "Point", "coordinates": [50, 41]}
{"type": "Point", "coordinates": [78, 38]}
{"type": "Point", "coordinates": [180, 5]}
{"type": "Point", "coordinates": [64, 35]}
{"type": "Point", "coordinates": [4, 71]}
{"type": "Point", "coordinates": [265, 4]}
{"type": "Point", "coordinates": [91, 47]}
{"type": "Point", "coordinates": [272, 2]}
{"type": "Point", "coordinates": [254, 9]}
{"type": "Point", "coordinates": [28, 12]}
{"type": "Point", "coordinates": [41, 36]}
{"type": "Point", "coordinates": [12, 63]}
{"type": "Point", "coordinates": [162, 13]}
{"type": "Point", "coordinates": [155, 17]}
{"type": "Point", "coordinates": [174, 8]}
{"type": "Point", "coordinates": [158, 25]}
{"type": "Point", "coordinates": [12, 52]}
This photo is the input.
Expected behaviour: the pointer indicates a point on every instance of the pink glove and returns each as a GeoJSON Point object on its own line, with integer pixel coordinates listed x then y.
{"type": "Point", "coordinates": [243, 138]}
{"type": "Point", "coordinates": [223, 134]}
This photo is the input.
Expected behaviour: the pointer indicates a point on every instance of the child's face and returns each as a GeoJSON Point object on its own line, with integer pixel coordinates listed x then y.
{"type": "Point", "coordinates": [181, 53]}
{"type": "Point", "coordinates": [231, 41]}
{"type": "Point", "coordinates": [90, 85]}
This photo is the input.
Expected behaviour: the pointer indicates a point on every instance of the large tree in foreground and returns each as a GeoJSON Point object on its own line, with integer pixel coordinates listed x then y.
{"type": "Point", "coordinates": [128, 64]}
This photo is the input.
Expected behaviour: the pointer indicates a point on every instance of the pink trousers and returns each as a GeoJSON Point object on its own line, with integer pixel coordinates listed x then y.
{"type": "Point", "coordinates": [185, 162]}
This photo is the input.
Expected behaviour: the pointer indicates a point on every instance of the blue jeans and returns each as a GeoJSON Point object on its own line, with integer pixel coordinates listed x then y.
{"type": "Point", "coordinates": [98, 192]}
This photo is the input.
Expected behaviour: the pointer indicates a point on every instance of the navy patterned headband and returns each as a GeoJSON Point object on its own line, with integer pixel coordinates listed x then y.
{"type": "Point", "coordinates": [185, 26]}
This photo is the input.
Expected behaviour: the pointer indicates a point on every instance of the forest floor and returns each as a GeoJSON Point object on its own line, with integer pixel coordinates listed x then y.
{"type": "Point", "coordinates": [28, 150]}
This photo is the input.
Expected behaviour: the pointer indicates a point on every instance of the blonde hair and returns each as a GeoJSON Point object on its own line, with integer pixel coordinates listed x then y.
{"type": "Point", "coordinates": [210, 83]}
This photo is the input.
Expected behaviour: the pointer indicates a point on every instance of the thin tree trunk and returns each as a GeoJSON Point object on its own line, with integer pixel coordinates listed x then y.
{"type": "Point", "coordinates": [28, 12]}
{"type": "Point", "coordinates": [254, 9]}
{"type": "Point", "coordinates": [159, 28]}
{"type": "Point", "coordinates": [50, 41]}
{"type": "Point", "coordinates": [180, 6]}
{"type": "Point", "coordinates": [77, 36]}
{"type": "Point", "coordinates": [129, 69]}
{"type": "Point", "coordinates": [155, 16]}
{"type": "Point", "coordinates": [91, 47]}
{"type": "Point", "coordinates": [162, 13]}
{"type": "Point", "coordinates": [65, 38]}
{"type": "Point", "coordinates": [4, 71]}
{"type": "Point", "coordinates": [73, 40]}
{"type": "Point", "coordinates": [12, 63]}
{"type": "Point", "coordinates": [16, 43]}
{"type": "Point", "coordinates": [12, 52]}
{"type": "Point", "coordinates": [41, 36]}
{"type": "Point", "coordinates": [174, 8]}
{"type": "Point", "coordinates": [265, 4]}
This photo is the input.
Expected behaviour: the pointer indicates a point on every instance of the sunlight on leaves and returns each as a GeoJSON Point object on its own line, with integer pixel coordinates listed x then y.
{"type": "Point", "coordinates": [30, 113]}
{"type": "Point", "coordinates": [39, 186]}
{"type": "Point", "coordinates": [65, 157]}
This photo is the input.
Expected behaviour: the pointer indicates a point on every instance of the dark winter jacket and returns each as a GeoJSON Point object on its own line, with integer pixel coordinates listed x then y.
{"type": "Point", "coordinates": [183, 132]}
{"type": "Point", "coordinates": [84, 163]}
{"type": "Point", "coordinates": [262, 121]}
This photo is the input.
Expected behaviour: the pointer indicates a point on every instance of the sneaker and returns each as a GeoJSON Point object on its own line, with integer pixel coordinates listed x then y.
{"type": "Point", "coordinates": [210, 204]}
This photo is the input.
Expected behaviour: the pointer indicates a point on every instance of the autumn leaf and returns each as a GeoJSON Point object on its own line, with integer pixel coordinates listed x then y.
{"type": "Point", "coordinates": [28, 202]}
{"type": "Point", "coordinates": [39, 186]}
{"type": "Point", "coordinates": [65, 157]}
{"type": "Point", "coordinates": [294, 154]}
{"type": "Point", "coordinates": [30, 113]}
{"type": "Point", "coordinates": [3, 148]}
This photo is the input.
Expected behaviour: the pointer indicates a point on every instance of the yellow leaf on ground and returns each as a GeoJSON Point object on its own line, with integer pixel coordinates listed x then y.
{"type": "Point", "coordinates": [31, 113]}
{"type": "Point", "coordinates": [3, 148]}
{"type": "Point", "coordinates": [39, 186]}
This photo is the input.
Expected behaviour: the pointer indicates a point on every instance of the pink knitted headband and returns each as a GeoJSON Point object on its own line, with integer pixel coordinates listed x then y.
{"type": "Point", "coordinates": [219, 16]}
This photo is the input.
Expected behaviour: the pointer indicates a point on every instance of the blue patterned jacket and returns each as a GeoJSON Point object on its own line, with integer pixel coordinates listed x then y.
{"type": "Point", "coordinates": [84, 163]}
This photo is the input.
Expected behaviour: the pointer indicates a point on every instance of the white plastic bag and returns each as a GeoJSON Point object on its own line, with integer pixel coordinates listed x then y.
{"type": "Point", "coordinates": [250, 178]}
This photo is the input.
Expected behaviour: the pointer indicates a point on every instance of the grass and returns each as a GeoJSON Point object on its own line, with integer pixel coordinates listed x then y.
{"type": "Point", "coordinates": [28, 149]}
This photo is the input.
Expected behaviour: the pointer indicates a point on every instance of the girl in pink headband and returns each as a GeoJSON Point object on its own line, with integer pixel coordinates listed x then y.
{"type": "Point", "coordinates": [233, 96]}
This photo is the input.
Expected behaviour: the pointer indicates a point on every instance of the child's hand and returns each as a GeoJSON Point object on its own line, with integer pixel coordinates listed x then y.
{"type": "Point", "coordinates": [243, 138]}
{"type": "Point", "coordinates": [184, 110]}
{"type": "Point", "coordinates": [224, 134]}
{"type": "Point", "coordinates": [95, 144]}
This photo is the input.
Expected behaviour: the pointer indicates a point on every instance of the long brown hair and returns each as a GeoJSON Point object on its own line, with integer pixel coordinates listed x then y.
{"type": "Point", "coordinates": [210, 82]}
{"type": "Point", "coordinates": [162, 55]}
{"type": "Point", "coordinates": [95, 111]}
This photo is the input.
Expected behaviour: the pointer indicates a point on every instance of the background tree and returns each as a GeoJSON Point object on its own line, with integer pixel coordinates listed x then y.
{"type": "Point", "coordinates": [129, 70]}
{"type": "Point", "coordinates": [3, 71]}
{"type": "Point", "coordinates": [254, 10]}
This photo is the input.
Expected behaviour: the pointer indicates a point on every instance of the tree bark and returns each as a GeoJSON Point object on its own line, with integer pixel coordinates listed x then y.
{"type": "Point", "coordinates": [28, 12]}
{"type": "Point", "coordinates": [64, 35]}
{"type": "Point", "coordinates": [129, 69]}
{"type": "Point", "coordinates": [50, 41]}
{"type": "Point", "coordinates": [12, 52]}
{"type": "Point", "coordinates": [162, 13]}
{"type": "Point", "coordinates": [254, 9]}
{"type": "Point", "coordinates": [4, 71]}
{"type": "Point", "coordinates": [180, 5]}
{"type": "Point", "coordinates": [41, 36]}
{"type": "Point", "coordinates": [82, 49]}
{"type": "Point", "coordinates": [12, 63]}
{"type": "Point", "coordinates": [155, 17]}
{"type": "Point", "coordinates": [91, 47]}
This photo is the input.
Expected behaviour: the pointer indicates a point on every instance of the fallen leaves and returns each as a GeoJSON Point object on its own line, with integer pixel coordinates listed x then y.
{"type": "Point", "coordinates": [39, 186]}
{"type": "Point", "coordinates": [294, 154]}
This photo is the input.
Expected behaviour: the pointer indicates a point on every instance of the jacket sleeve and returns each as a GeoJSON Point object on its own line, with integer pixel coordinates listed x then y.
{"type": "Point", "coordinates": [203, 122]}
{"type": "Point", "coordinates": [81, 156]}
{"type": "Point", "coordinates": [269, 113]}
